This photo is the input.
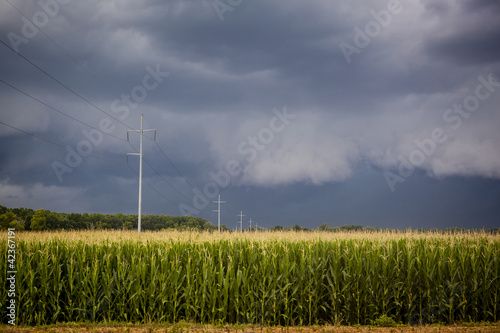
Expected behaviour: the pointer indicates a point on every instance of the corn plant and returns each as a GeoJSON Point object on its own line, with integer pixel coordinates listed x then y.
{"type": "Point", "coordinates": [268, 278]}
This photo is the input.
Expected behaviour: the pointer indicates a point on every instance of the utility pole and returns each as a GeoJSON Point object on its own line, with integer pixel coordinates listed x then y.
{"type": "Point", "coordinates": [141, 131]}
{"type": "Point", "coordinates": [241, 220]}
{"type": "Point", "coordinates": [250, 224]}
{"type": "Point", "coordinates": [218, 211]}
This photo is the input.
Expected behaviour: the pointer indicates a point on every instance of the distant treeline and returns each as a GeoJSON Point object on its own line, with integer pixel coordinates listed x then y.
{"type": "Point", "coordinates": [346, 227]}
{"type": "Point", "coordinates": [29, 219]}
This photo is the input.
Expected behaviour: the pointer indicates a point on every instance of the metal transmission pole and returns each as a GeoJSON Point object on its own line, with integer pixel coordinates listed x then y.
{"type": "Point", "coordinates": [250, 224]}
{"type": "Point", "coordinates": [241, 220]}
{"type": "Point", "coordinates": [218, 211]}
{"type": "Point", "coordinates": [141, 131]}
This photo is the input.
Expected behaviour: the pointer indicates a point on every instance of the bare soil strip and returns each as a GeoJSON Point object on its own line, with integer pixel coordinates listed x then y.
{"type": "Point", "coordinates": [232, 329]}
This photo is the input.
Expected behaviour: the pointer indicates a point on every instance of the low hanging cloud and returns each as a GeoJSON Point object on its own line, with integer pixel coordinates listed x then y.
{"type": "Point", "coordinates": [303, 161]}
{"type": "Point", "coordinates": [439, 135]}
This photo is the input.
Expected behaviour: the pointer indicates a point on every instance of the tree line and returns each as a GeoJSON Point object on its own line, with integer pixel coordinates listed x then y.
{"type": "Point", "coordinates": [347, 227]}
{"type": "Point", "coordinates": [29, 219]}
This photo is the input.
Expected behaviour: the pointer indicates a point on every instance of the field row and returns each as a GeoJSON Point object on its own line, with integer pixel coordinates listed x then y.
{"type": "Point", "coordinates": [266, 281]}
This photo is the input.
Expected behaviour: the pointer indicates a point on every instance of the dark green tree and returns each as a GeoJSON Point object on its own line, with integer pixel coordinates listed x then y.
{"type": "Point", "coordinates": [39, 220]}
{"type": "Point", "coordinates": [7, 220]}
{"type": "Point", "coordinates": [128, 225]}
{"type": "Point", "coordinates": [323, 227]}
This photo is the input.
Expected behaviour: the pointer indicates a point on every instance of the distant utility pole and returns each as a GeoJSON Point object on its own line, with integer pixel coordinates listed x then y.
{"type": "Point", "coordinates": [241, 220]}
{"type": "Point", "coordinates": [250, 224]}
{"type": "Point", "coordinates": [141, 131]}
{"type": "Point", "coordinates": [218, 211]}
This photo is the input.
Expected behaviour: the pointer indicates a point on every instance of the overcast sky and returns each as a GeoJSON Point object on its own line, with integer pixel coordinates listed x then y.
{"type": "Point", "coordinates": [375, 113]}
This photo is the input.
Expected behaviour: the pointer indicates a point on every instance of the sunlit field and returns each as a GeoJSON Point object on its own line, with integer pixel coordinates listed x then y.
{"type": "Point", "coordinates": [91, 236]}
{"type": "Point", "coordinates": [259, 278]}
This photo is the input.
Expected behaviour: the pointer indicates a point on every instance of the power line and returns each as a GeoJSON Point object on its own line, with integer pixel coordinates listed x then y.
{"type": "Point", "coordinates": [163, 178]}
{"type": "Point", "coordinates": [172, 163]}
{"type": "Point", "coordinates": [63, 85]}
{"type": "Point", "coordinates": [55, 143]}
{"type": "Point", "coordinates": [91, 155]}
{"type": "Point", "coordinates": [63, 50]}
{"type": "Point", "coordinates": [69, 89]}
{"type": "Point", "coordinates": [59, 111]}
{"type": "Point", "coordinates": [34, 135]}
{"type": "Point", "coordinates": [166, 181]}
{"type": "Point", "coordinates": [161, 194]}
{"type": "Point", "coordinates": [106, 87]}
{"type": "Point", "coordinates": [88, 101]}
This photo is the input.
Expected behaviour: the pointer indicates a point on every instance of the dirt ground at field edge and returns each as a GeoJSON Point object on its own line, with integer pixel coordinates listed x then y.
{"type": "Point", "coordinates": [321, 329]}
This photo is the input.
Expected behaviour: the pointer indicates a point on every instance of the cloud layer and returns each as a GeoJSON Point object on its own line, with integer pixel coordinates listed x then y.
{"type": "Point", "coordinates": [410, 63]}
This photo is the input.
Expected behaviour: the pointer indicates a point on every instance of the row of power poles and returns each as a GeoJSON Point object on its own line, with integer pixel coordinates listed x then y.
{"type": "Point", "coordinates": [240, 221]}
{"type": "Point", "coordinates": [139, 213]}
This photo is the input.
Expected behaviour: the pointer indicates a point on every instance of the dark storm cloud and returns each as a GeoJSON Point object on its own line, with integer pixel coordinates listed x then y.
{"type": "Point", "coordinates": [469, 36]}
{"type": "Point", "coordinates": [468, 49]}
{"type": "Point", "coordinates": [226, 77]}
{"type": "Point", "coordinates": [485, 5]}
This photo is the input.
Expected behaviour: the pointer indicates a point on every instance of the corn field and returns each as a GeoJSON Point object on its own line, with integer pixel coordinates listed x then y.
{"type": "Point", "coordinates": [266, 278]}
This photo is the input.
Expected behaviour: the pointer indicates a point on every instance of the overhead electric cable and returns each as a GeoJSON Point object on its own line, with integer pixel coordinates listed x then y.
{"type": "Point", "coordinates": [90, 103]}
{"type": "Point", "coordinates": [166, 181]}
{"type": "Point", "coordinates": [63, 50]}
{"type": "Point", "coordinates": [173, 165]}
{"type": "Point", "coordinates": [86, 100]}
{"type": "Point", "coordinates": [33, 135]}
{"type": "Point", "coordinates": [63, 85]}
{"type": "Point", "coordinates": [59, 111]}
{"type": "Point", "coordinates": [152, 187]}
{"type": "Point", "coordinates": [55, 143]}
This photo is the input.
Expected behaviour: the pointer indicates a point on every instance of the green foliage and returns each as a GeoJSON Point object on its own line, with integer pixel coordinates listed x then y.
{"type": "Point", "coordinates": [356, 228]}
{"type": "Point", "coordinates": [298, 228]}
{"type": "Point", "coordinates": [7, 220]}
{"type": "Point", "coordinates": [85, 221]}
{"type": "Point", "coordinates": [128, 225]}
{"type": "Point", "coordinates": [39, 220]}
{"type": "Point", "coordinates": [25, 218]}
{"type": "Point", "coordinates": [102, 225]}
{"type": "Point", "coordinates": [384, 321]}
{"type": "Point", "coordinates": [418, 280]}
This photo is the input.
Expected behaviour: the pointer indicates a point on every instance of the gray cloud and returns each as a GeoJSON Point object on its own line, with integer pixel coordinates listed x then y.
{"type": "Point", "coordinates": [225, 79]}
